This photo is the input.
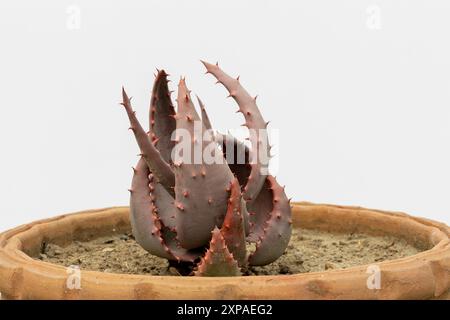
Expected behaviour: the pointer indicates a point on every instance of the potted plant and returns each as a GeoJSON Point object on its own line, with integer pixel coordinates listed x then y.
{"type": "Point", "coordinates": [201, 213]}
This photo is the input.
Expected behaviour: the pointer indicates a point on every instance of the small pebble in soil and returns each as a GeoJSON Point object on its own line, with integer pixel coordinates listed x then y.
{"type": "Point", "coordinates": [329, 265]}
{"type": "Point", "coordinates": [285, 270]}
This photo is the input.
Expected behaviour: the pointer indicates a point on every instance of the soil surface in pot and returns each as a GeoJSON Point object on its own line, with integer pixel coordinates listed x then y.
{"type": "Point", "coordinates": [308, 251]}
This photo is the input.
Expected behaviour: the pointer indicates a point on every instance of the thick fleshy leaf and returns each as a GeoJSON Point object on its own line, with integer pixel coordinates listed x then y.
{"type": "Point", "coordinates": [146, 225]}
{"type": "Point", "coordinates": [260, 152]}
{"type": "Point", "coordinates": [162, 122]}
{"type": "Point", "coordinates": [237, 156]}
{"type": "Point", "coordinates": [201, 188]}
{"type": "Point", "coordinates": [180, 254]}
{"type": "Point", "coordinates": [277, 229]}
{"type": "Point", "coordinates": [233, 229]}
{"type": "Point", "coordinates": [162, 202]}
{"type": "Point", "coordinates": [259, 212]}
{"type": "Point", "coordinates": [158, 166]}
{"type": "Point", "coordinates": [218, 261]}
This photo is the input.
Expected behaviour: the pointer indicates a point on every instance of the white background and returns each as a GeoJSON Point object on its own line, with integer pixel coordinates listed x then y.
{"type": "Point", "coordinates": [359, 90]}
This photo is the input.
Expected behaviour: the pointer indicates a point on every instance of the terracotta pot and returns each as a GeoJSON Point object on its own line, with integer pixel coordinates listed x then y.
{"type": "Point", "coordinates": [422, 276]}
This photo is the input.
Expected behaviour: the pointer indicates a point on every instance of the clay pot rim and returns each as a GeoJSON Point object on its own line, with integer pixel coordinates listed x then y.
{"type": "Point", "coordinates": [12, 255]}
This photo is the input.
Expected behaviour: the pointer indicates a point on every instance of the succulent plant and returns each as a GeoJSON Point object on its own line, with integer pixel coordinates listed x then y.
{"type": "Point", "coordinates": [202, 214]}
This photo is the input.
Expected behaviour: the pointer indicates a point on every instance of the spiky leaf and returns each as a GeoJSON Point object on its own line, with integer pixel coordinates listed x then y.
{"type": "Point", "coordinates": [233, 229]}
{"type": "Point", "coordinates": [277, 229]}
{"type": "Point", "coordinates": [162, 122]}
{"type": "Point", "coordinates": [146, 225]}
{"type": "Point", "coordinates": [218, 261]}
{"type": "Point", "coordinates": [158, 166]}
{"type": "Point", "coordinates": [256, 125]}
{"type": "Point", "coordinates": [200, 188]}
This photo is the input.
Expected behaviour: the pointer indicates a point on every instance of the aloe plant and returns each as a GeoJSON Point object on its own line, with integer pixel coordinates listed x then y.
{"type": "Point", "coordinates": [204, 213]}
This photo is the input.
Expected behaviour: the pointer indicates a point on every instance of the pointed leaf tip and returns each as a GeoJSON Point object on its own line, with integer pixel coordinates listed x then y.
{"type": "Point", "coordinates": [218, 261]}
